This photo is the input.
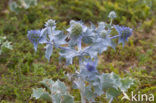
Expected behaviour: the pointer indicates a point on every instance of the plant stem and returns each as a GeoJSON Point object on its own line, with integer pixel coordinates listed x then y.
{"type": "Point", "coordinates": [82, 89]}
{"type": "Point", "coordinates": [82, 84]}
{"type": "Point", "coordinates": [82, 99]}
{"type": "Point", "coordinates": [111, 21]}
{"type": "Point", "coordinates": [79, 48]}
{"type": "Point", "coordinates": [79, 44]}
{"type": "Point", "coordinates": [116, 36]}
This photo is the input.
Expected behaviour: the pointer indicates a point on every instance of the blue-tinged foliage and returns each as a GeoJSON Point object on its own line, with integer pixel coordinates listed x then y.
{"type": "Point", "coordinates": [98, 39]}
{"type": "Point", "coordinates": [49, 50]}
{"type": "Point", "coordinates": [47, 35]}
{"type": "Point", "coordinates": [36, 37]}
{"type": "Point", "coordinates": [58, 92]}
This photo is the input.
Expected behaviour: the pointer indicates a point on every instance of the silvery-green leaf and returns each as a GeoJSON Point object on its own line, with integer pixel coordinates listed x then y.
{"type": "Point", "coordinates": [14, 7]}
{"type": "Point", "coordinates": [126, 83]}
{"type": "Point", "coordinates": [68, 53]}
{"type": "Point", "coordinates": [89, 94]}
{"type": "Point", "coordinates": [98, 90]}
{"type": "Point", "coordinates": [92, 50]}
{"type": "Point", "coordinates": [112, 93]}
{"type": "Point", "coordinates": [56, 98]}
{"type": "Point", "coordinates": [73, 41]}
{"type": "Point", "coordinates": [44, 33]}
{"type": "Point", "coordinates": [98, 47]}
{"type": "Point", "coordinates": [92, 26]}
{"type": "Point", "coordinates": [49, 50]}
{"type": "Point", "coordinates": [67, 99]}
{"type": "Point", "coordinates": [89, 36]}
{"type": "Point", "coordinates": [59, 88]}
{"type": "Point", "coordinates": [107, 81]}
{"type": "Point", "coordinates": [87, 40]}
{"type": "Point", "coordinates": [59, 38]}
{"type": "Point", "coordinates": [47, 83]}
{"type": "Point", "coordinates": [116, 79]}
{"type": "Point", "coordinates": [41, 93]}
{"type": "Point", "coordinates": [7, 45]}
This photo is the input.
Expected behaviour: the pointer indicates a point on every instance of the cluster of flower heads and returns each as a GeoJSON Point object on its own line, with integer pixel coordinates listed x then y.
{"type": "Point", "coordinates": [97, 38]}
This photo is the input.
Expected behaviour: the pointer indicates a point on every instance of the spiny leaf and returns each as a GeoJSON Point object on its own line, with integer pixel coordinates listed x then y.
{"type": "Point", "coordinates": [42, 94]}
{"type": "Point", "coordinates": [126, 83]}
{"type": "Point", "coordinates": [49, 50]}
{"type": "Point", "coordinates": [47, 83]}
{"type": "Point", "coordinates": [67, 99]}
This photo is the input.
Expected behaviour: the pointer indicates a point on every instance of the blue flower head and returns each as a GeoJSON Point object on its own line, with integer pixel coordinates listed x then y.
{"type": "Point", "coordinates": [91, 66]}
{"type": "Point", "coordinates": [124, 33]}
{"type": "Point", "coordinates": [88, 68]}
{"type": "Point", "coordinates": [35, 37]}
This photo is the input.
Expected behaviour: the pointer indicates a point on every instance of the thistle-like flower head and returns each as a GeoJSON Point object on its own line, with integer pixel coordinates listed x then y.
{"type": "Point", "coordinates": [91, 66]}
{"type": "Point", "coordinates": [35, 37]}
{"type": "Point", "coordinates": [50, 23]}
{"type": "Point", "coordinates": [124, 33]}
{"type": "Point", "coordinates": [76, 28]}
{"type": "Point", "coordinates": [112, 15]}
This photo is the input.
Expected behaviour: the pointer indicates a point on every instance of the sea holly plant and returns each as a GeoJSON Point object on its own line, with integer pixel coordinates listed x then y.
{"type": "Point", "coordinates": [85, 43]}
{"type": "Point", "coordinates": [4, 44]}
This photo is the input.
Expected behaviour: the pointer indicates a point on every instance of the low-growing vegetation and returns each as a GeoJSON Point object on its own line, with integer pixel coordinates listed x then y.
{"type": "Point", "coordinates": [22, 69]}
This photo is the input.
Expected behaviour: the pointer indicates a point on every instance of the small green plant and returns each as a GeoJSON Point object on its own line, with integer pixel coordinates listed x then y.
{"type": "Point", "coordinates": [4, 44]}
{"type": "Point", "coordinates": [17, 5]}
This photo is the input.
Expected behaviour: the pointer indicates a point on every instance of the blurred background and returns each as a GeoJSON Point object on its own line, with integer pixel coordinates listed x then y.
{"type": "Point", "coordinates": [21, 68]}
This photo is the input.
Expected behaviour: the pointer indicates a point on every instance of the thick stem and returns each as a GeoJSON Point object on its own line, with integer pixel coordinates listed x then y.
{"type": "Point", "coordinates": [81, 81]}
{"type": "Point", "coordinates": [82, 98]}
{"type": "Point", "coordinates": [52, 31]}
{"type": "Point", "coordinates": [111, 21]}
{"type": "Point", "coordinates": [79, 44]}
{"type": "Point", "coordinates": [82, 89]}
{"type": "Point", "coordinates": [79, 48]}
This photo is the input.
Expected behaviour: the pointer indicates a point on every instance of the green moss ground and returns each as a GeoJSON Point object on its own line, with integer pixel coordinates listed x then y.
{"type": "Point", "coordinates": [21, 68]}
